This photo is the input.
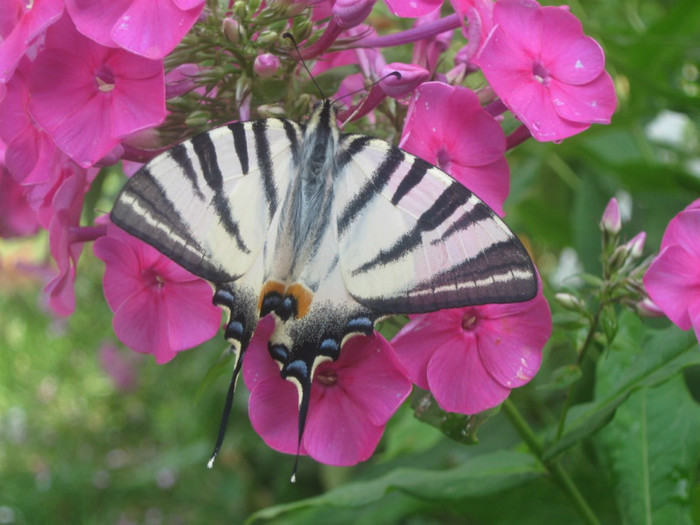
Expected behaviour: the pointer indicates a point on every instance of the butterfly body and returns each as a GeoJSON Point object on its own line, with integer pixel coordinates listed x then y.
{"type": "Point", "coordinates": [328, 232]}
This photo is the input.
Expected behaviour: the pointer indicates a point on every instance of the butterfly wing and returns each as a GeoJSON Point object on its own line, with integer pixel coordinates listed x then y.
{"type": "Point", "coordinates": [412, 239]}
{"type": "Point", "coordinates": [208, 203]}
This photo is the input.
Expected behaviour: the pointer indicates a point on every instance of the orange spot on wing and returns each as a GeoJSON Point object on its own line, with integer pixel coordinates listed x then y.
{"type": "Point", "coordinates": [303, 296]}
{"type": "Point", "coordinates": [268, 288]}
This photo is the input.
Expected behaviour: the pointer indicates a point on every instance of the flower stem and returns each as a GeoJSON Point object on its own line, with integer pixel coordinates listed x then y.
{"type": "Point", "coordinates": [560, 476]}
{"type": "Point", "coordinates": [581, 354]}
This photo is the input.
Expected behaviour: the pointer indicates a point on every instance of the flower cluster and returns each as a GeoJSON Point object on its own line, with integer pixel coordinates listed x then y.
{"type": "Point", "coordinates": [88, 84]}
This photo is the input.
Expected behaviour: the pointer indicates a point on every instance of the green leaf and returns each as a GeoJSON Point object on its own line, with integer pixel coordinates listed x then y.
{"type": "Point", "coordinates": [655, 359]}
{"type": "Point", "coordinates": [651, 449]}
{"type": "Point", "coordinates": [483, 475]}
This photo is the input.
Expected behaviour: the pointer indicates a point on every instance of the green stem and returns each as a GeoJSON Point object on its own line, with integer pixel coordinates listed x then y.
{"type": "Point", "coordinates": [581, 354]}
{"type": "Point", "coordinates": [560, 476]}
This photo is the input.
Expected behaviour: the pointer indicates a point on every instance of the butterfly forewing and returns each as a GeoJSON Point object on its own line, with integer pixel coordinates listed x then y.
{"type": "Point", "coordinates": [207, 203]}
{"type": "Point", "coordinates": [412, 239]}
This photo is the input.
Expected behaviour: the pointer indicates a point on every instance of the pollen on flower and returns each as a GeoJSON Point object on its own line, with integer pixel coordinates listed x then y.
{"type": "Point", "coordinates": [540, 73]}
{"type": "Point", "coordinates": [469, 320]}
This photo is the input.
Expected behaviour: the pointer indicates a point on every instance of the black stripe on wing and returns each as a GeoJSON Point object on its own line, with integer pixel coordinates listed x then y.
{"type": "Point", "coordinates": [205, 150]}
{"type": "Point", "coordinates": [152, 218]}
{"type": "Point", "coordinates": [452, 197]}
{"type": "Point", "coordinates": [179, 155]}
{"type": "Point", "coordinates": [371, 189]}
{"type": "Point", "coordinates": [262, 152]}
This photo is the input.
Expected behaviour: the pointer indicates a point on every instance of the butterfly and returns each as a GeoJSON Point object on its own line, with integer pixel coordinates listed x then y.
{"type": "Point", "coordinates": [327, 232]}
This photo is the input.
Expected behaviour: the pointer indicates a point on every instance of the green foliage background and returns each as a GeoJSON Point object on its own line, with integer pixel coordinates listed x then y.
{"type": "Point", "coordinates": [74, 449]}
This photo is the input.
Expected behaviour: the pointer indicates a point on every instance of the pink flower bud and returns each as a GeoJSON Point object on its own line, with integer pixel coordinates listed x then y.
{"type": "Point", "coordinates": [232, 30]}
{"type": "Point", "coordinates": [635, 246]}
{"type": "Point", "coordinates": [411, 77]}
{"type": "Point", "coordinates": [611, 222]}
{"type": "Point", "coordinates": [648, 308]}
{"type": "Point", "coordinates": [351, 13]}
{"type": "Point", "coordinates": [266, 65]}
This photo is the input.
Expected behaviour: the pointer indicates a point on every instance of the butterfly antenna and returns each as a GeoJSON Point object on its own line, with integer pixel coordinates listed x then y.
{"type": "Point", "coordinates": [303, 63]}
{"type": "Point", "coordinates": [227, 406]}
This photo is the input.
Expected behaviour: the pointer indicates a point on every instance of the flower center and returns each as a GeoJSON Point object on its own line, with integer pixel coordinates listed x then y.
{"type": "Point", "coordinates": [540, 73]}
{"type": "Point", "coordinates": [327, 377]}
{"type": "Point", "coordinates": [443, 160]}
{"type": "Point", "coordinates": [105, 79]}
{"type": "Point", "coordinates": [152, 279]}
{"type": "Point", "coordinates": [469, 320]}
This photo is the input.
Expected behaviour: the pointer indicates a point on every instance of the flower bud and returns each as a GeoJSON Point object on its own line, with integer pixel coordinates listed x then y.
{"type": "Point", "coordinates": [635, 246]}
{"type": "Point", "coordinates": [570, 301]}
{"type": "Point", "coordinates": [647, 308]}
{"type": "Point", "coordinates": [232, 30]}
{"type": "Point", "coordinates": [611, 222]}
{"type": "Point", "coordinates": [271, 110]}
{"type": "Point", "coordinates": [351, 13]}
{"type": "Point", "coordinates": [267, 37]}
{"type": "Point", "coordinates": [197, 119]}
{"type": "Point", "coordinates": [411, 77]}
{"type": "Point", "coordinates": [266, 65]}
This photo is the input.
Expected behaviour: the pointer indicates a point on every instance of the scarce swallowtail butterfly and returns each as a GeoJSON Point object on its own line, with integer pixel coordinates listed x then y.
{"type": "Point", "coordinates": [327, 232]}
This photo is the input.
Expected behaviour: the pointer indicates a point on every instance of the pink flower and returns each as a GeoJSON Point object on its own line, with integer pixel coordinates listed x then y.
{"type": "Point", "coordinates": [546, 71]}
{"type": "Point", "coordinates": [673, 279]}
{"type": "Point", "coordinates": [144, 27]}
{"type": "Point", "coordinates": [17, 219]}
{"type": "Point", "coordinates": [351, 399]}
{"type": "Point", "coordinates": [65, 246]}
{"type": "Point", "coordinates": [159, 308]}
{"type": "Point", "coordinates": [447, 126]}
{"type": "Point", "coordinates": [87, 97]}
{"type": "Point", "coordinates": [347, 14]}
{"type": "Point", "coordinates": [413, 9]}
{"type": "Point", "coordinates": [20, 23]}
{"type": "Point", "coordinates": [31, 154]}
{"type": "Point", "coordinates": [470, 358]}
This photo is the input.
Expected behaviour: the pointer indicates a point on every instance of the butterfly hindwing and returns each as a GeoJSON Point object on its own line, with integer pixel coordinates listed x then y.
{"type": "Point", "coordinates": [412, 239]}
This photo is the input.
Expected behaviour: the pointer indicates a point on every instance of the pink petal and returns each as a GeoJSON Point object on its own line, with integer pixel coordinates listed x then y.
{"type": "Point", "coordinates": [140, 324]}
{"type": "Point", "coordinates": [191, 316]}
{"type": "Point", "coordinates": [673, 283]}
{"type": "Point", "coordinates": [95, 18]}
{"type": "Point", "coordinates": [138, 105]}
{"type": "Point", "coordinates": [153, 29]}
{"type": "Point", "coordinates": [589, 103]}
{"type": "Point", "coordinates": [338, 431]}
{"type": "Point", "coordinates": [532, 104]}
{"type": "Point", "coordinates": [412, 9]}
{"type": "Point", "coordinates": [371, 375]}
{"type": "Point", "coordinates": [510, 346]}
{"type": "Point", "coordinates": [684, 230]}
{"type": "Point", "coordinates": [185, 5]}
{"type": "Point", "coordinates": [569, 56]}
{"type": "Point", "coordinates": [122, 270]}
{"type": "Point", "coordinates": [460, 382]}
{"type": "Point", "coordinates": [59, 80]}
{"type": "Point", "coordinates": [418, 340]}
{"type": "Point", "coordinates": [490, 183]}
{"type": "Point", "coordinates": [273, 412]}
{"type": "Point", "coordinates": [522, 21]}
{"type": "Point", "coordinates": [258, 365]}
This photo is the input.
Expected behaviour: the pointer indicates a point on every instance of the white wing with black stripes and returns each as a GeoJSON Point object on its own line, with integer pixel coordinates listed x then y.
{"type": "Point", "coordinates": [326, 232]}
{"type": "Point", "coordinates": [427, 241]}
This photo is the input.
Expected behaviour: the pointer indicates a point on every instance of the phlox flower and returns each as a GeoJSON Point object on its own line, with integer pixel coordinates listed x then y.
{"type": "Point", "coordinates": [447, 126]}
{"type": "Point", "coordinates": [351, 399]}
{"type": "Point", "coordinates": [64, 243]}
{"type": "Point", "coordinates": [144, 27]}
{"type": "Point", "coordinates": [673, 279]}
{"type": "Point", "coordinates": [17, 219]}
{"type": "Point", "coordinates": [20, 23]}
{"type": "Point", "coordinates": [470, 358]}
{"type": "Point", "coordinates": [87, 97]}
{"type": "Point", "coordinates": [545, 70]}
{"type": "Point", "coordinates": [31, 155]}
{"type": "Point", "coordinates": [159, 308]}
